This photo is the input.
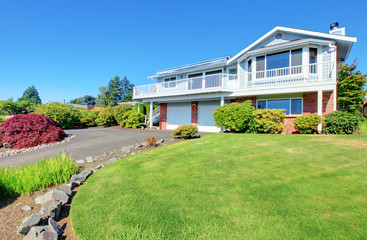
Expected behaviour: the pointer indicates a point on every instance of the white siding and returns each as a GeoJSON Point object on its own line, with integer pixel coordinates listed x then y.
{"type": "Point", "coordinates": [178, 114]}
{"type": "Point", "coordinates": [205, 116]}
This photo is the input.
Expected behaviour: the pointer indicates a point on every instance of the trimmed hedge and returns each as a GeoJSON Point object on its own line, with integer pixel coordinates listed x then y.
{"type": "Point", "coordinates": [341, 122]}
{"type": "Point", "coordinates": [106, 117]}
{"type": "Point", "coordinates": [30, 130]}
{"type": "Point", "coordinates": [235, 116]}
{"type": "Point", "coordinates": [307, 124]}
{"type": "Point", "coordinates": [185, 131]}
{"type": "Point", "coordinates": [66, 115]}
{"type": "Point", "coordinates": [132, 119]}
{"type": "Point", "coordinates": [268, 120]}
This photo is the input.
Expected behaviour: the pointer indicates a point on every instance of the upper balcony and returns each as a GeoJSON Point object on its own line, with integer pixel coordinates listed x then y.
{"type": "Point", "coordinates": [280, 77]}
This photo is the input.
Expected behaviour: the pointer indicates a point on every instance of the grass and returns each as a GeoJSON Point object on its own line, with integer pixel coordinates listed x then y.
{"type": "Point", "coordinates": [37, 176]}
{"type": "Point", "coordinates": [231, 186]}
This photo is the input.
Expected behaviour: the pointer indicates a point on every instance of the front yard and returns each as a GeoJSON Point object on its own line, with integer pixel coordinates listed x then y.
{"type": "Point", "coordinates": [231, 186]}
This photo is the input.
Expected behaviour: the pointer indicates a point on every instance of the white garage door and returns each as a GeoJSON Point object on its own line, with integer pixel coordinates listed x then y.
{"type": "Point", "coordinates": [205, 116]}
{"type": "Point", "coordinates": [178, 114]}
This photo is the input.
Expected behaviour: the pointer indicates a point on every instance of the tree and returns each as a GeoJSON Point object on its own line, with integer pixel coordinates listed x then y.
{"type": "Point", "coordinates": [85, 100]}
{"type": "Point", "coordinates": [350, 87]}
{"type": "Point", "coordinates": [31, 95]}
{"type": "Point", "coordinates": [104, 98]}
{"type": "Point", "coordinates": [117, 91]}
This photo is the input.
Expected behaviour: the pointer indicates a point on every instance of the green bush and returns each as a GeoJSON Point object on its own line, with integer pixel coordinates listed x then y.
{"type": "Point", "coordinates": [341, 122]}
{"type": "Point", "coordinates": [106, 117]}
{"type": "Point", "coordinates": [131, 119]}
{"type": "Point", "coordinates": [20, 107]}
{"type": "Point", "coordinates": [66, 115]}
{"type": "Point", "coordinates": [2, 119]}
{"type": "Point", "coordinates": [307, 124]}
{"type": "Point", "coordinates": [88, 118]}
{"type": "Point", "coordinates": [144, 108]}
{"type": "Point", "coordinates": [235, 116]}
{"type": "Point", "coordinates": [119, 111]}
{"type": "Point", "coordinates": [36, 176]}
{"type": "Point", "coordinates": [268, 120]}
{"type": "Point", "coordinates": [185, 131]}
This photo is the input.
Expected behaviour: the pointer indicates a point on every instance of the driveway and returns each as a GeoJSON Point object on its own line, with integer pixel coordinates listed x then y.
{"type": "Point", "coordinates": [88, 142]}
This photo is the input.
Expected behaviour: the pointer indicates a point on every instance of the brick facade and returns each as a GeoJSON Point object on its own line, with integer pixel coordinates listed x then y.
{"type": "Point", "coordinates": [327, 103]}
{"type": "Point", "coordinates": [309, 103]}
{"type": "Point", "coordinates": [194, 113]}
{"type": "Point", "coordinates": [244, 99]}
{"type": "Point", "coordinates": [163, 116]}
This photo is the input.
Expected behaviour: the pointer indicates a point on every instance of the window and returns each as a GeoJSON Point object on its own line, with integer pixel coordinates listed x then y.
{"type": "Point", "coordinates": [296, 61]}
{"type": "Point", "coordinates": [291, 106]}
{"type": "Point", "coordinates": [213, 79]}
{"type": "Point", "coordinates": [233, 71]}
{"type": "Point", "coordinates": [313, 60]}
{"type": "Point", "coordinates": [260, 67]}
{"type": "Point", "coordinates": [277, 60]}
{"type": "Point", "coordinates": [213, 72]}
{"type": "Point", "coordinates": [169, 82]}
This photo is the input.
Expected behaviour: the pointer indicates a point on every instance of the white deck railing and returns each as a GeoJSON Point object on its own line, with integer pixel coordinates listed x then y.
{"type": "Point", "coordinates": [228, 82]}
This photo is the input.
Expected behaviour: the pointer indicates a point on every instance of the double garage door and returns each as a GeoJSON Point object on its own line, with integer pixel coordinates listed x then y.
{"type": "Point", "coordinates": [180, 114]}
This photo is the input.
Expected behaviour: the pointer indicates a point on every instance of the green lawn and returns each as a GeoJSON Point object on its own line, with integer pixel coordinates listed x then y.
{"type": "Point", "coordinates": [231, 186]}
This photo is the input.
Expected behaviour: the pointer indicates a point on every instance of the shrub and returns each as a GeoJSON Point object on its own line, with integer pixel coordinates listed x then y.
{"type": "Point", "coordinates": [235, 116]}
{"type": "Point", "coordinates": [269, 120]}
{"type": "Point", "coordinates": [37, 176]}
{"type": "Point", "coordinates": [2, 119]}
{"type": "Point", "coordinates": [106, 117]}
{"type": "Point", "coordinates": [307, 124]}
{"type": "Point", "coordinates": [88, 118]}
{"type": "Point", "coordinates": [185, 131]}
{"type": "Point", "coordinates": [341, 122]}
{"type": "Point", "coordinates": [20, 107]}
{"type": "Point", "coordinates": [131, 119]}
{"type": "Point", "coordinates": [22, 131]}
{"type": "Point", "coordinates": [98, 110]}
{"type": "Point", "coordinates": [66, 115]}
{"type": "Point", "coordinates": [144, 108]}
{"type": "Point", "coordinates": [152, 141]}
{"type": "Point", "coordinates": [119, 111]}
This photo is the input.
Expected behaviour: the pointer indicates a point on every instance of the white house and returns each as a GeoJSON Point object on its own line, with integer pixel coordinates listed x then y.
{"type": "Point", "coordinates": [287, 68]}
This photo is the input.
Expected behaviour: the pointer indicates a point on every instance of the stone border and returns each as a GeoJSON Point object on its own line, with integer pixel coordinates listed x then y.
{"type": "Point", "coordinates": [42, 225]}
{"type": "Point", "coordinates": [17, 151]}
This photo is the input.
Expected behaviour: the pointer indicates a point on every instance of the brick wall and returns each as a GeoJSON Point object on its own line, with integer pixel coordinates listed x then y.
{"type": "Point", "coordinates": [244, 99]}
{"type": "Point", "coordinates": [289, 125]}
{"type": "Point", "coordinates": [194, 113]}
{"type": "Point", "coordinates": [163, 116]}
{"type": "Point", "coordinates": [327, 103]}
{"type": "Point", "coordinates": [309, 103]}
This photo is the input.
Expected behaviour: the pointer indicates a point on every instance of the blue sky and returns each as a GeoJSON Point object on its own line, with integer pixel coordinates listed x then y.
{"type": "Point", "coordinates": [69, 48]}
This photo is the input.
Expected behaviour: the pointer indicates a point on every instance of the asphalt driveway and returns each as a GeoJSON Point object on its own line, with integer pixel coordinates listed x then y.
{"type": "Point", "coordinates": [88, 142]}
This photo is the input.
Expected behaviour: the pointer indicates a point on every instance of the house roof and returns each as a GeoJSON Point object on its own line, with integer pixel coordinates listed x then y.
{"type": "Point", "coordinates": [351, 40]}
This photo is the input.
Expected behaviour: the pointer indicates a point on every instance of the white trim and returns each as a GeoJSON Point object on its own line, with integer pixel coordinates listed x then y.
{"type": "Point", "coordinates": [293, 30]}
{"type": "Point", "coordinates": [283, 98]}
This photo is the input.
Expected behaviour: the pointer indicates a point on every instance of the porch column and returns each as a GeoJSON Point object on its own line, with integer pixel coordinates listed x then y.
{"type": "Point", "coordinates": [319, 108]}
{"type": "Point", "coordinates": [151, 115]}
{"type": "Point", "coordinates": [334, 99]}
{"type": "Point", "coordinates": [138, 106]}
{"type": "Point", "coordinates": [222, 101]}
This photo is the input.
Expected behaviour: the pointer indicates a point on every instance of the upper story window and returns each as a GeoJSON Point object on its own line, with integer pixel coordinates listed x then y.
{"type": "Point", "coordinates": [196, 81]}
{"type": "Point", "coordinates": [313, 60]}
{"type": "Point", "coordinates": [279, 64]}
{"type": "Point", "coordinates": [170, 82]}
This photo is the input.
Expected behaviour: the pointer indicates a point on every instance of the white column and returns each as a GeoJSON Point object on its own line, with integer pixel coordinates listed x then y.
{"type": "Point", "coordinates": [305, 62]}
{"type": "Point", "coordinates": [138, 106]}
{"type": "Point", "coordinates": [222, 101]}
{"type": "Point", "coordinates": [335, 102]}
{"type": "Point", "coordinates": [319, 108]}
{"type": "Point", "coordinates": [151, 115]}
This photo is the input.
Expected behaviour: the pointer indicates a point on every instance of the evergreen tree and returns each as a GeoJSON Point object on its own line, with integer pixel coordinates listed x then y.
{"type": "Point", "coordinates": [127, 90]}
{"type": "Point", "coordinates": [31, 95]}
{"type": "Point", "coordinates": [85, 100]}
{"type": "Point", "coordinates": [350, 87]}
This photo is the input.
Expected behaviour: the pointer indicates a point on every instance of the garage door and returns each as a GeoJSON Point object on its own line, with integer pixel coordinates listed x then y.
{"type": "Point", "coordinates": [178, 114]}
{"type": "Point", "coordinates": [205, 116]}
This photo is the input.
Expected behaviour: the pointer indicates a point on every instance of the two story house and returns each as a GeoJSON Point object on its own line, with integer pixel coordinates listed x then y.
{"type": "Point", "coordinates": [287, 68]}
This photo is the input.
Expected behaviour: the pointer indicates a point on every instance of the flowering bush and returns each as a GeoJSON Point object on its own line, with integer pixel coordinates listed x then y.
{"type": "Point", "coordinates": [22, 131]}
{"type": "Point", "coordinates": [307, 124]}
{"type": "Point", "coordinates": [185, 131]}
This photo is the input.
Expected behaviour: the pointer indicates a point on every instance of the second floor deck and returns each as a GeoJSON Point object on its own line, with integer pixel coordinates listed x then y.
{"type": "Point", "coordinates": [223, 82]}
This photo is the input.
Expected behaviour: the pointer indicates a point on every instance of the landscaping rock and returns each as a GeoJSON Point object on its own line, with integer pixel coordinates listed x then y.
{"type": "Point", "coordinates": [6, 145]}
{"type": "Point", "coordinates": [144, 144]}
{"type": "Point", "coordinates": [66, 189]}
{"type": "Point", "coordinates": [81, 161]}
{"type": "Point", "coordinates": [55, 227]}
{"type": "Point", "coordinates": [160, 141]}
{"type": "Point", "coordinates": [33, 220]}
{"type": "Point", "coordinates": [51, 208]}
{"type": "Point", "coordinates": [26, 208]}
{"type": "Point", "coordinates": [53, 195]}
{"type": "Point", "coordinates": [111, 160]}
{"type": "Point", "coordinates": [126, 149]}
{"type": "Point", "coordinates": [72, 185]}
{"type": "Point", "coordinates": [81, 177]}
{"type": "Point", "coordinates": [41, 233]}
{"type": "Point", "coordinates": [100, 166]}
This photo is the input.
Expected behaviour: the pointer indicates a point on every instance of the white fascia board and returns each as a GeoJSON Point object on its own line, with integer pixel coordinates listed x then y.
{"type": "Point", "coordinates": [294, 30]}
{"type": "Point", "coordinates": [193, 97]}
{"type": "Point", "coordinates": [285, 45]}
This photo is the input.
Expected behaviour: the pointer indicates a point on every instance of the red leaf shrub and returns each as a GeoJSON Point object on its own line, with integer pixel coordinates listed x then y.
{"type": "Point", "coordinates": [22, 131]}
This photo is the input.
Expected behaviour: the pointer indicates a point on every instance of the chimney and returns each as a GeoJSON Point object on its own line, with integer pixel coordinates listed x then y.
{"type": "Point", "coordinates": [334, 29]}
